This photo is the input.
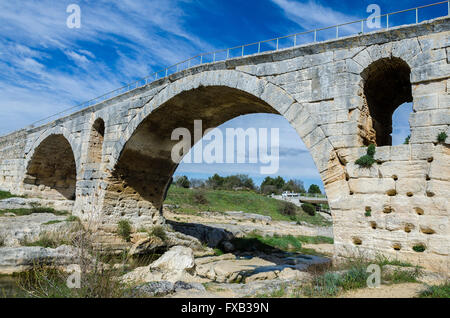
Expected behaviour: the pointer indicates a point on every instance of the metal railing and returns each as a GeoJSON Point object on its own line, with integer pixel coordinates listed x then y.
{"type": "Point", "coordinates": [274, 44]}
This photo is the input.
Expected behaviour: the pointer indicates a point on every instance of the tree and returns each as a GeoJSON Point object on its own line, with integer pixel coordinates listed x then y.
{"type": "Point", "coordinates": [295, 186]}
{"type": "Point", "coordinates": [215, 182]}
{"type": "Point", "coordinates": [197, 183]}
{"type": "Point", "coordinates": [182, 182]}
{"type": "Point", "coordinates": [314, 189]}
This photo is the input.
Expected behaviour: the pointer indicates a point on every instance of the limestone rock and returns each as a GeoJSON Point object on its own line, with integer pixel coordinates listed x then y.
{"type": "Point", "coordinates": [17, 259]}
{"type": "Point", "coordinates": [147, 245]}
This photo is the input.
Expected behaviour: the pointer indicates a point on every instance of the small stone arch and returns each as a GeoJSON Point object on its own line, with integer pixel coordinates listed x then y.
{"type": "Point", "coordinates": [386, 85]}
{"type": "Point", "coordinates": [51, 170]}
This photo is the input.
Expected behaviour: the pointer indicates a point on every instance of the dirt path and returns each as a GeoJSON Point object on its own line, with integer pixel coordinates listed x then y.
{"type": "Point", "coordinates": [407, 290]}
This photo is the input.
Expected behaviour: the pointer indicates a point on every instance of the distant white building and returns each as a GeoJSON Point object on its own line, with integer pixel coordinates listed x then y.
{"type": "Point", "coordinates": [287, 194]}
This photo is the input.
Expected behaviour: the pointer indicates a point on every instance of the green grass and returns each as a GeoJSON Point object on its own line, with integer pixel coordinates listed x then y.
{"type": "Point", "coordinates": [48, 240]}
{"type": "Point", "coordinates": [124, 229]}
{"type": "Point", "coordinates": [158, 231]}
{"type": "Point", "coordinates": [355, 276]}
{"type": "Point", "coordinates": [315, 239]}
{"type": "Point", "coordinates": [382, 260]}
{"type": "Point", "coordinates": [247, 201]}
{"type": "Point", "coordinates": [6, 195]}
{"type": "Point", "coordinates": [52, 222]}
{"type": "Point", "coordinates": [287, 243]}
{"type": "Point", "coordinates": [73, 218]}
{"type": "Point", "coordinates": [24, 211]}
{"type": "Point", "coordinates": [439, 291]}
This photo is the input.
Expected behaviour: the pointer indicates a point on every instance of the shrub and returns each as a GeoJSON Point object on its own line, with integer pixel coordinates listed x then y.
{"type": "Point", "coordinates": [124, 229]}
{"type": "Point", "coordinates": [182, 182]}
{"type": "Point", "coordinates": [199, 197]}
{"type": "Point", "coordinates": [419, 248]}
{"type": "Point", "coordinates": [439, 291]}
{"type": "Point", "coordinates": [288, 208]}
{"type": "Point", "coordinates": [368, 212]}
{"type": "Point", "coordinates": [309, 209]}
{"type": "Point", "coordinates": [371, 150]}
{"type": "Point", "coordinates": [367, 160]}
{"type": "Point", "coordinates": [73, 218]}
{"type": "Point", "coordinates": [49, 240]}
{"type": "Point", "coordinates": [158, 231]}
{"type": "Point", "coordinates": [441, 137]}
{"type": "Point", "coordinates": [406, 142]}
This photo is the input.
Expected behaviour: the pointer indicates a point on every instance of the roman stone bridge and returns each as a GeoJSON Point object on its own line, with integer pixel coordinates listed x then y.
{"type": "Point", "coordinates": [114, 159]}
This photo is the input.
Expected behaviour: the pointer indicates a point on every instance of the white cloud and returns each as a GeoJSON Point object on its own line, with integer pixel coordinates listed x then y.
{"type": "Point", "coordinates": [311, 15]}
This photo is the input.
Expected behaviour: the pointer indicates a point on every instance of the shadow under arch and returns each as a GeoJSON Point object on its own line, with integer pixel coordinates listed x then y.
{"type": "Point", "coordinates": [144, 169]}
{"type": "Point", "coordinates": [51, 171]}
{"type": "Point", "coordinates": [387, 85]}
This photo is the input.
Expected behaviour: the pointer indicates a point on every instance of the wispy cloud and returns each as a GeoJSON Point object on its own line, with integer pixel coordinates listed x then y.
{"type": "Point", "coordinates": [311, 14]}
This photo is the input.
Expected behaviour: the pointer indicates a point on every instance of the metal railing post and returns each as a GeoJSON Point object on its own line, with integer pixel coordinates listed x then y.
{"type": "Point", "coordinates": [417, 15]}
{"type": "Point", "coordinates": [228, 54]}
{"type": "Point", "coordinates": [243, 50]}
{"type": "Point", "coordinates": [387, 21]}
{"type": "Point", "coordinates": [167, 72]}
{"type": "Point", "coordinates": [337, 31]}
{"type": "Point", "coordinates": [315, 35]}
{"type": "Point", "coordinates": [362, 26]}
{"type": "Point", "coordinates": [214, 57]}
{"type": "Point", "coordinates": [259, 47]}
{"type": "Point", "coordinates": [448, 7]}
{"type": "Point", "coordinates": [278, 41]}
{"type": "Point", "coordinates": [201, 59]}
{"type": "Point", "coordinates": [295, 40]}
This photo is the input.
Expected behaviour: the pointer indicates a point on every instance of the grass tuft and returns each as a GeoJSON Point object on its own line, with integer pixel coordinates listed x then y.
{"type": "Point", "coordinates": [124, 229]}
{"type": "Point", "coordinates": [439, 291]}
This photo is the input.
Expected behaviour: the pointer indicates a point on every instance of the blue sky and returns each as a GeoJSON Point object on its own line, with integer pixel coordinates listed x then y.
{"type": "Point", "coordinates": [46, 67]}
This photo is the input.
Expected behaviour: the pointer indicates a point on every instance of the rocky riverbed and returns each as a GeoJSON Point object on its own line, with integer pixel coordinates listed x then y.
{"type": "Point", "coordinates": [201, 255]}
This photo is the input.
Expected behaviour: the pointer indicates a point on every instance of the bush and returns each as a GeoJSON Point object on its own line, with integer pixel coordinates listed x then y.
{"type": "Point", "coordinates": [124, 229]}
{"type": "Point", "coordinates": [288, 208]}
{"type": "Point", "coordinates": [406, 142]}
{"type": "Point", "coordinates": [368, 212]}
{"type": "Point", "coordinates": [309, 209]}
{"type": "Point", "coordinates": [419, 248]}
{"type": "Point", "coordinates": [200, 198]}
{"type": "Point", "coordinates": [158, 231]}
{"type": "Point", "coordinates": [367, 160]}
{"type": "Point", "coordinates": [182, 182]}
{"type": "Point", "coordinates": [439, 291]}
{"type": "Point", "coordinates": [441, 137]}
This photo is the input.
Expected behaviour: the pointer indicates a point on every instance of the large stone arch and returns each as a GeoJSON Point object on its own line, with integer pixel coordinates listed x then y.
{"type": "Point", "coordinates": [141, 166]}
{"type": "Point", "coordinates": [51, 170]}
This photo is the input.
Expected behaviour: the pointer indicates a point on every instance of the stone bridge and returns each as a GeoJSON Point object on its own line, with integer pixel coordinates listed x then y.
{"type": "Point", "coordinates": [114, 159]}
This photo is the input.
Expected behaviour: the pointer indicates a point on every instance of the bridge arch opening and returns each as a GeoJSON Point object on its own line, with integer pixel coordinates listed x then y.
{"type": "Point", "coordinates": [386, 85]}
{"type": "Point", "coordinates": [96, 141]}
{"type": "Point", "coordinates": [143, 172]}
{"type": "Point", "coordinates": [51, 171]}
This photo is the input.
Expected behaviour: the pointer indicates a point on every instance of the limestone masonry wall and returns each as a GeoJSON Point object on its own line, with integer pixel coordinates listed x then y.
{"type": "Point", "coordinates": [338, 95]}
